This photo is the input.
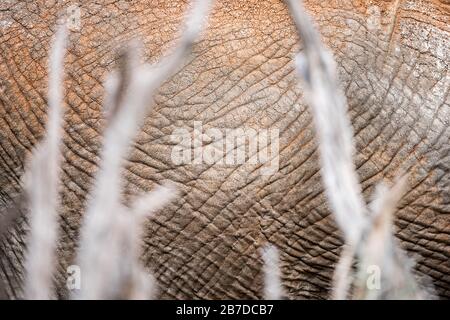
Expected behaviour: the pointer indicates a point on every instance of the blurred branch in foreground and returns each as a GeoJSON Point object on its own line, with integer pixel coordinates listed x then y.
{"type": "Point", "coordinates": [384, 272]}
{"type": "Point", "coordinates": [273, 289]}
{"type": "Point", "coordinates": [110, 235]}
{"type": "Point", "coordinates": [42, 184]}
{"type": "Point", "coordinates": [108, 225]}
{"type": "Point", "coordinates": [9, 216]}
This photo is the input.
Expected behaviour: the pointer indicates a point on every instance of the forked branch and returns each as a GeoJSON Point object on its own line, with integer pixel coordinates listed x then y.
{"type": "Point", "coordinates": [109, 226]}
{"type": "Point", "coordinates": [41, 185]}
{"type": "Point", "coordinates": [367, 233]}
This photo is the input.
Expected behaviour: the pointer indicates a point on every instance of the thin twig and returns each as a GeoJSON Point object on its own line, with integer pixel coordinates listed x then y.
{"type": "Point", "coordinates": [273, 289]}
{"type": "Point", "coordinates": [109, 246]}
{"type": "Point", "coordinates": [41, 184]}
{"type": "Point", "coordinates": [8, 217]}
{"type": "Point", "coordinates": [367, 237]}
{"type": "Point", "coordinates": [149, 203]}
{"type": "Point", "coordinates": [342, 277]}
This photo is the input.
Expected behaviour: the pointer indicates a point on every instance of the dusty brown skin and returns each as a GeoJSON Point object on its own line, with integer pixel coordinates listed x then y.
{"type": "Point", "coordinates": [241, 74]}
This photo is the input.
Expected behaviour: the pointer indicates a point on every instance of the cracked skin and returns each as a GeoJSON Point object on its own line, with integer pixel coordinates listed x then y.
{"type": "Point", "coordinates": [393, 59]}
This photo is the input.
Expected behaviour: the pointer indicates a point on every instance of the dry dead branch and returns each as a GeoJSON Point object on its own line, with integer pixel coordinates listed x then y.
{"type": "Point", "coordinates": [328, 104]}
{"type": "Point", "coordinates": [41, 185]}
{"type": "Point", "coordinates": [8, 218]}
{"type": "Point", "coordinates": [111, 232]}
{"type": "Point", "coordinates": [273, 289]}
{"type": "Point", "coordinates": [109, 246]}
{"type": "Point", "coordinates": [367, 233]}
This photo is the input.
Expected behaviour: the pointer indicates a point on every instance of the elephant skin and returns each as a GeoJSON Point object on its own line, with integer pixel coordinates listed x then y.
{"type": "Point", "coordinates": [393, 58]}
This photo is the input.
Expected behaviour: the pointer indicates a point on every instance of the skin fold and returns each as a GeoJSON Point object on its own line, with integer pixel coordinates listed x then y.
{"type": "Point", "coordinates": [393, 59]}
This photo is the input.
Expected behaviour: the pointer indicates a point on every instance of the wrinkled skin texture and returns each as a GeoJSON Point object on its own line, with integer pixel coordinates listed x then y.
{"type": "Point", "coordinates": [393, 60]}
